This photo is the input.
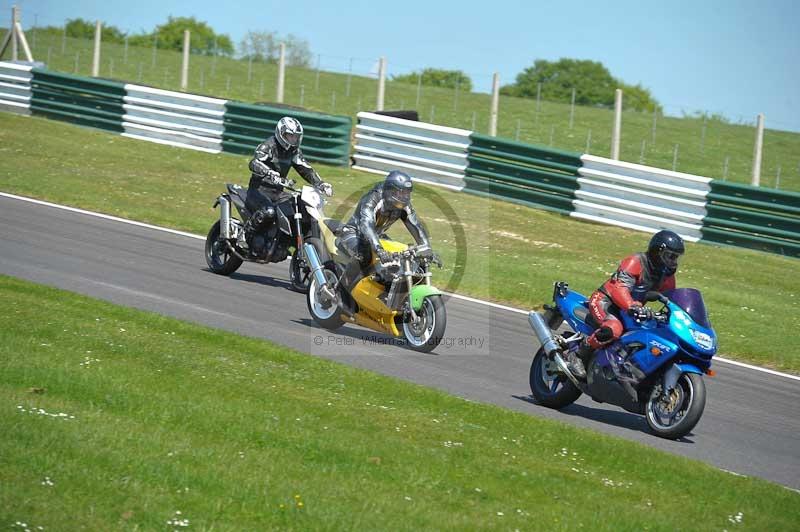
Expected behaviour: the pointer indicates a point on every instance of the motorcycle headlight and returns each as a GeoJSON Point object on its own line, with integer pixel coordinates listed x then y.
{"type": "Point", "coordinates": [703, 340]}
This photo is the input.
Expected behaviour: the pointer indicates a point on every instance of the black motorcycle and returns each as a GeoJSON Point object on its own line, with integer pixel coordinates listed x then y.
{"type": "Point", "coordinates": [227, 248]}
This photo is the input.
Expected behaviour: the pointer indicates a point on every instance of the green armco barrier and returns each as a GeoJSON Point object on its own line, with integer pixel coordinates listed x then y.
{"type": "Point", "coordinates": [511, 149]}
{"type": "Point", "coordinates": [537, 176]}
{"type": "Point", "coordinates": [762, 194]}
{"type": "Point", "coordinates": [746, 240]}
{"type": "Point", "coordinates": [84, 101]}
{"type": "Point", "coordinates": [326, 138]}
{"type": "Point", "coordinates": [521, 175]}
{"type": "Point", "coordinates": [78, 83]}
{"type": "Point", "coordinates": [540, 199]}
{"type": "Point", "coordinates": [753, 217]}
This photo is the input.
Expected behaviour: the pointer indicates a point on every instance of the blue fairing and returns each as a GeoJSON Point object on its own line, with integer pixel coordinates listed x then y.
{"type": "Point", "coordinates": [574, 311]}
{"type": "Point", "coordinates": [653, 344]}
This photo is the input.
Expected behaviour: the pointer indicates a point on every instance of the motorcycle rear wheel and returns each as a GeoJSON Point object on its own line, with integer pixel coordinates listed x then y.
{"type": "Point", "coordinates": [674, 419]}
{"type": "Point", "coordinates": [549, 386]}
{"type": "Point", "coordinates": [219, 258]}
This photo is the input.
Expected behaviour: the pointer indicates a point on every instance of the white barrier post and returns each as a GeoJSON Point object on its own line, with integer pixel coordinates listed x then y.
{"type": "Point", "coordinates": [756, 179]}
{"type": "Point", "coordinates": [185, 64]}
{"type": "Point", "coordinates": [96, 56]}
{"type": "Point", "coordinates": [617, 131]}
{"type": "Point", "coordinates": [495, 104]}
{"type": "Point", "coordinates": [281, 73]}
{"type": "Point", "coordinates": [381, 82]}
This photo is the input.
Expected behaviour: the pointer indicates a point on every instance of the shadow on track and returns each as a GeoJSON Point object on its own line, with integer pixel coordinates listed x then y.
{"type": "Point", "coordinates": [362, 337]}
{"type": "Point", "coordinates": [617, 418]}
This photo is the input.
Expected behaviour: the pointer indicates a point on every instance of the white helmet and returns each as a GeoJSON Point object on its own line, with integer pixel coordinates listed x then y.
{"type": "Point", "coordinates": [288, 133]}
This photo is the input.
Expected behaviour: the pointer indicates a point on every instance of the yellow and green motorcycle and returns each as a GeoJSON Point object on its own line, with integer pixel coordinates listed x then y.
{"type": "Point", "coordinates": [395, 298]}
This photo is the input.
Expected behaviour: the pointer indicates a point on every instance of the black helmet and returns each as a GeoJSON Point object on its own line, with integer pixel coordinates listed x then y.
{"type": "Point", "coordinates": [288, 133]}
{"type": "Point", "coordinates": [664, 249]}
{"type": "Point", "coordinates": [397, 190]}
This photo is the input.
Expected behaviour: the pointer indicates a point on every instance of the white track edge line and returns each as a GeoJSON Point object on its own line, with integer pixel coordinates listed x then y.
{"type": "Point", "coordinates": [457, 296]}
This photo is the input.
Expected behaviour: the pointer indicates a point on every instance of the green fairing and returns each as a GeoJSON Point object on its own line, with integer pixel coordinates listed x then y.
{"type": "Point", "coordinates": [420, 292]}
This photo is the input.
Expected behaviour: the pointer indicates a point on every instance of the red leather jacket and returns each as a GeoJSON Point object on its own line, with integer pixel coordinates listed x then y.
{"type": "Point", "coordinates": [636, 275]}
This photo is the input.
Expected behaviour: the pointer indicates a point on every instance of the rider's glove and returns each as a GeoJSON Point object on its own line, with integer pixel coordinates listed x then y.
{"type": "Point", "coordinates": [435, 259]}
{"type": "Point", "coordinates": [326, 189]}
{"type": "Point", "coordinates": [383, 255]}
{"type": "Point", "coordinates": [640, 312]}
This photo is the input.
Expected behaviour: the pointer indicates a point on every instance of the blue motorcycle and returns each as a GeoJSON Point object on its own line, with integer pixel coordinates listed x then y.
{"type": "Point", "coordinates": [669, 353]}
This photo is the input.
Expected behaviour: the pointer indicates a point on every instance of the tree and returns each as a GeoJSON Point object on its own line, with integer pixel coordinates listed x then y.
{"type": "Point", "coordinates": [437, 77]}
{"type": "Point", "coordinates": [264, 46]}
{"type": "Point", "coordinates": [592, 81]}
{"type": "Point", "coordinates": [204, 40]}
{"type": "Point", "coordinates": [83, 29]}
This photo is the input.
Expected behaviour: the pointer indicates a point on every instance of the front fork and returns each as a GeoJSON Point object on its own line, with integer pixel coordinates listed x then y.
{"type": "Point", "coordinates": [298, 230]}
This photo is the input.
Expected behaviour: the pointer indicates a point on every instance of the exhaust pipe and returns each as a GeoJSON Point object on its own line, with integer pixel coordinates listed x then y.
{"type": "Point", "coordinates": [543, 333]}
{"type": "Point", "coordinates": [224, 217]}
{"type": "Point", "coordinates": [550, 344]}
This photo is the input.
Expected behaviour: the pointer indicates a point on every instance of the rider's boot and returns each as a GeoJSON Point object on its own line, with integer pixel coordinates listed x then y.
{"type": "Point", "coordinates": [575, 359]}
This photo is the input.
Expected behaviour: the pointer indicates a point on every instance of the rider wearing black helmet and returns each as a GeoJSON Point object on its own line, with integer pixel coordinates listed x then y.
{"type": "Point", "coordinates": [625, 291]}
{"type": "Point", "coordinates": [270, 165]}
{"type": "Point", "coordinates": [377, 210]}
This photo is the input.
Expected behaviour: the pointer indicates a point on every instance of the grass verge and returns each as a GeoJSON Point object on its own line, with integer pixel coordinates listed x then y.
{"type": "Point", "coordinates": [513, 254]}
{"type": "Point", "coordinates": [114, 418]}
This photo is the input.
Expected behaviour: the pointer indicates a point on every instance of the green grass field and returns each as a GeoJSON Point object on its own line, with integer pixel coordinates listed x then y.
{"type": "Point", "coordinates": [117, 419]}
{"type": "Point", "coordinates": [701, 149]}
{"type": "Point", "coordinates": [513, 254]}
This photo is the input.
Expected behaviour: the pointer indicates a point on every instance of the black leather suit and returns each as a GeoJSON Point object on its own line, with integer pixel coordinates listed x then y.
{"type": "Point", "coordinates": [371, 219]}
{"type": "Point", "coordinates": [263, 192]}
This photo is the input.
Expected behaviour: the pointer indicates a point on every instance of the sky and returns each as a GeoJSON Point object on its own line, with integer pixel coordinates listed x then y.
{"type": "Point", "coordinates": [732, 57]}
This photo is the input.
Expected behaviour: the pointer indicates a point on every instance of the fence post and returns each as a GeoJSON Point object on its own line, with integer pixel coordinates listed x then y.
{"type": "Point", "coordinates": [96, 56]}
{"type": "Point", "coordinates": [572, 109]}
{"type": "Point", "coordinates": [349, 78]}
{"type": "Point", "coordinates": [281, 73]}
{"type": "Point", "coordinates": [185, 65]}
{"type": "Point", "coordinates": [756, 179]}
{"type": "Point", "coordinates": [495, 104]}
{"type": "Point", "coordinates": [13, 33]}
{"type": "Point", "coordinates": [617, 131]}
{"type": "Point", "coordinates": [419, 87]}
{"type": "Point", "coordinates": [381, 82]}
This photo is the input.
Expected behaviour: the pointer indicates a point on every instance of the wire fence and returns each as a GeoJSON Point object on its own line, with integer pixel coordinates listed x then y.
{"type": "Point", "coordinates": [700, 143]}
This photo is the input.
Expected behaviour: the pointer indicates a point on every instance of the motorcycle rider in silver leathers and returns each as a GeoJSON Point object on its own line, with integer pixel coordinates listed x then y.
{"type": "Point", "coordinates": [270, 165]}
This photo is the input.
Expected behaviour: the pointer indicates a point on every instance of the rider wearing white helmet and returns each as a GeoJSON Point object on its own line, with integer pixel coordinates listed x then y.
{"type": "Point", "coordinates": [270, 165]}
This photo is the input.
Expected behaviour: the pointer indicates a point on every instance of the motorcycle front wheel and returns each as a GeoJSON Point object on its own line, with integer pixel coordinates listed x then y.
{"type": "Point", "coordinates": [549, 386]}
{"type": "Point", "coordinates": [326, 313]}
{"type": "Point", "coordinates": [427, 332]}
{"type": "Point", "coordinates": [673, 416]}
{"type": "Point", "coordinates": [219, 258]}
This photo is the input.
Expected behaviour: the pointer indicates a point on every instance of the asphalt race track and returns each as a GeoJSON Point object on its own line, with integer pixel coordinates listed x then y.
{"type": "Point", "coordinates": [750, 425]}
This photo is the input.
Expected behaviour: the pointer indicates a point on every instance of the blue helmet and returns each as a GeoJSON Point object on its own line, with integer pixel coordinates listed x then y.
{"type": "Point", "coordinates": [397, 190]}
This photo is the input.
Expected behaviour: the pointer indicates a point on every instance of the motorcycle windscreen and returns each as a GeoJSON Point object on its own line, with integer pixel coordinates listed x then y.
{"type": "Point", "coordinates": [691, 301]}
